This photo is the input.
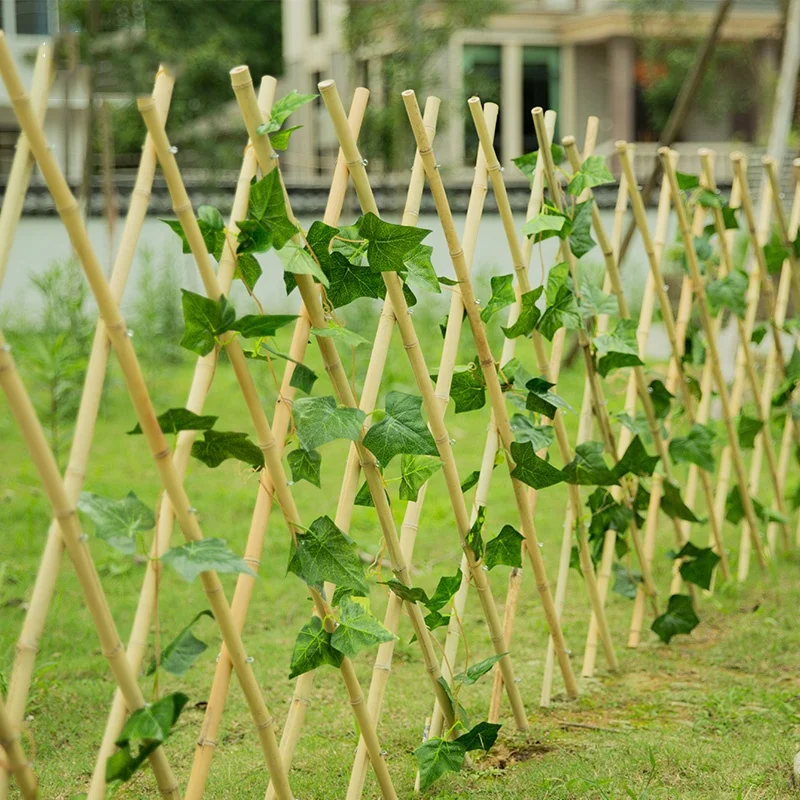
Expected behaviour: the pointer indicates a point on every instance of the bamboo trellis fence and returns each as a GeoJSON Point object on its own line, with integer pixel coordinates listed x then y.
{"type": "Point", "coordinates": [561, 206]}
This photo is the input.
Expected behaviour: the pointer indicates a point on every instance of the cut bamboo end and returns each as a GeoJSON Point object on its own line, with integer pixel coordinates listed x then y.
{"type": "Point", "coordinates": [568, 141]}
{"type": "Point", "coordinates": [240, 76]}
{"type": "Point", "coordinates": [327, 85]}
{"type": "Point", "coordinates": [737, 157]}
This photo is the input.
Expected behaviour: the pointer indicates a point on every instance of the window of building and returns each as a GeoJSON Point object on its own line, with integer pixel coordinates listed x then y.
{"type": "Point", "coordinates": [539, 88]}
{"type": "Point", "coordinates": [316, 17]}
{"type": "Point", "coordinates": [482, 76]}
{"type": "Point", "coordinates": [8, 144]}
{"type": "Point", "coordinates": [33, 17]}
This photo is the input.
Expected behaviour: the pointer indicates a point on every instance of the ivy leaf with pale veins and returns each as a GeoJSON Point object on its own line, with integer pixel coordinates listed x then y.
{"type": "Point", "coordinates": [474, 673]}
{"type": "Point", "coordinates": [593, 172]}
{"type": "Point", "coordinates": [207, 555]}
{"type": "Point", "coordinates": [580, 235]}
{"type": "Point", "coordinates": [562, 312]}
{"type": "Point", "coordinates": [626, 581]}
{"type": "Point", "coordinates": [558, 276]}
{"type": "Point", "coordinates": [247, 270]}
{"type": "Point", "coordinates": [175, 420]}
{"type": "Point", "coordinates": [344, 335]}
{"type": "Point", "coordinates": [117, 521]}
{"type": "Point", "coordinates": [419, 269]}
{"type": "Point", "coordinates": [532, 470]}
{"type": "Point", "coordinates": [357, 630]}
{"type": "Point", "coordinates": [698, 564]}
{"type": "Point", "coordinates": [415, 470]}
{"type": "Point", "coordinates": [678, 618]}
{"type": "Point", "coordinates": [313, 649]}
{"type": "Point", "coordinates": [619, 348]}
{"type": "Point", "coordinates": [306, 465]}
{"type": "Point", "coordinates": [594, 301]}
{"type": "Point", "coordinates": [607, 514]}
{"type": "Point", "coordinates": [529, 315]}
{"type": "Point", "coordinates": [546, 225]}
{"type": "Point", "coordinates": [436, 757]}
{"type": "Point", "coordinates": [672, 503]}
{"type": "Point", "coordinates": [179, 655]}
{"type": "Point", "coordinates": [480, 737]}
{"type": "Point", "coordinates": [475, 535]}
{"type": "Point", "coordinates": [325, 553]}
{"type": "Point", "coordinates": [542, 400]}
{"type": "Point", "coordinates": [588, 466]}
{"type": "Point", "coordinates": [349, 282]}
{"type": "Point", "coordinates": [502, 296]}
{"type": "Point", "coordinates": [389, 245]}
{"type": "Point", "coordinates": [204, 320]}
{"type": "Point", "coordinates": [297, 260]}
{"type": "Point", "coordinates": [282, 109]}
{"type": "Point", "coordinates": [402, 430]}
{"type": "Point", "coordinates": [696, 448]}
{"type": "Point", "coordinates": [729, 292]}
{"type": "Point", "coordinates": [636, 460]}
{"type": "Point", "coordinates": [505, 549]}
{"type": "Point", "coordinates": [268, 207]}
{"type": "Point", "coordinates": [319, 420]}
{"type": "Point", "coordinates": [468, 388]}
{"type": "Point", "coordinates": [540, 436]}
{"type": "Point", "coordinates": [319, 238]}
{"type": "Point", "coordinates": [747, 428]}
{"type": "Point", "coordinates": [218, 446]}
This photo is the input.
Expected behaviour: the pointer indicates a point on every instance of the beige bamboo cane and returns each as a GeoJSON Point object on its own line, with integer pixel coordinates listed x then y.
{"type": "Point", "coordinates": [266, 441]}
{"type": "Point", "coordinates": [789, 429]}
{"type": "Point", "coordinates": [413, 513]}
{"type": "Point", "coordinates": [117, 329]}
{"type": "Point", "coordinates": [202, 379]}
{"type": "Point", "coordinates": [16, 761]}
{"type": "Point", "coordinates": [516, 573]}
{"type": "Point", "coordinates": [762, 402]}
{"type": "Point", "coordinates": [490, 374]}
{"type": "Point", "coordinates": [19, 176]}
{"type": "Point", "coordinates": [36, 616]}
{"type": "Point", "coordinates": [431, 403]}
{"type": "Point", "coordinates": [245, 96]}
{"type": "Point", "coordinates": [64, 510]}
{"type": "Point", "coordinates": [681, 324]}
{"type": "Point", "coordinates": [713, 352]}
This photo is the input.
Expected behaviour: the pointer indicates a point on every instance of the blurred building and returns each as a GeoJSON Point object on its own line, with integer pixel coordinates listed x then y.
{"type": "Point", "coordinates": [578, 57]}
{"type": "Point", "coordinates": [26, 24]}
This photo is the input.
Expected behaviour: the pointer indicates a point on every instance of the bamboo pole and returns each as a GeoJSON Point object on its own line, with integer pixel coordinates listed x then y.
{"type": "Point", "coordinates": [713, 352]}
{"type": "Point", "coordinates": [205, 370]}
{"type": "Point", "coordinates": [431, 404]}
{"type": "Point", "coordinates": [413, 513]}
{"type": "Point", "coordinates": [245, 96]}
{"type": "Point", "coordinates": [16, 761]}
{"type": "Point", "coordinates": [490, 374]}
{"type": "Point", "coordinates": [266, 441]}
{"type": "Point", "coordinates": [44, 586]}
{"type": "Point", "coordinates": [117, 329]}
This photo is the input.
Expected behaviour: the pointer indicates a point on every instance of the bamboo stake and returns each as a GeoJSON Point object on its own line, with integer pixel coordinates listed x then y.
{"type": "Point", "coordinates": [266, 442]}
{"type": "Point", "coordinates": [44, 587]}
{"type": "Point", "coordinates": [245, 96]}
{"type": "Point", "coordinates": [490, 374]}
{"type": "Point", "coordinates": [205, 370]}
{"type": "Point", "coordinates": [432, 405]}
{"type": "Point", "coordinates": [17, 762]}
{"type": "Point", "coordinates": [413, 513]}
{"type": "Point", "coordinates": [712, 351]}
{"type": "Point", "coordinates": [115, 324]}
{"type": "Point", "coordinates": [681, 324]}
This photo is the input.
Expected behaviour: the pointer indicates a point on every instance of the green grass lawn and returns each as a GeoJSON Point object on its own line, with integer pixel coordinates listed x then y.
{"type": "Point", "coordinates": [714, 715]}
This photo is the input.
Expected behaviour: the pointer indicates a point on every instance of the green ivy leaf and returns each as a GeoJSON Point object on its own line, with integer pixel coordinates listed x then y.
{"type": "Point", "coordinates": [179, 655]}
{"type": "Point", "coordinates": [257, 326]}
{"type": "Point", "coordinates": [175, 420]}
{"type": "Point", "coordinates": [540, 436]}
{"type": "Point", "coordinates": [729, 292]}
{"type": "Point", "coordinates": [528, 318]}
{"type": "Point", "coordinates": [420, 271]}
{"type": "Point", "coordinates": [280, 139]}
{"type": "Point", "coordinates": [474, 673]}
{"type": "Point", "coordinates": [475, 535]}
{"type": "Point", "coordinates": [306, 465]}
{"type": "Point", "coordinates": [505, 548]}
{"type": "Point", "coordinates": [468, 388]}
{"type": "Point", "coordinates": [580, 235]}
{"type": "Point", "coordinates": [734, 509]}
{"type": "Point", "coordinates": [639, 426]}
{"type": "Point", "coordinates": [698, 564]}
{"type": "Point", "coordinates": [254, 236]}
{"type": "Point", "coordinates": [117, 521]}
{"type": "Point", "coordinates": [678, 618]}
{"type": "Point", "coordinates": [593, 172]}
{"type": "Point", "coordinates": [192, 558]}
{"type": "Point", "coordinates": [588, 467]}
{"type": "Point", "coordinates": [218, 446]}
{"type": "Point", "coordinates": [594, 301]}
{"type": "Point", "coordinates": [661, 398]}
{"type": "Point", "coordinates": [435, 620]}
{"type": "Point", "coordinates": [532, 470]}
{"type": "Point", "coordinates": [319, 420]}
{"type": "Point", "coordinates": [346, 336]}
{"type": "Point", "coordinates": [357, 630]}
{"type": "Point", "coordinates": [299, 261]}
{"type": "Point", "coordinates": [747, 428]}
{"type": "Point", "coordinates": [558, 276]}
{"type": "Point", "coordinates": [547, 224]}
{"type": "Point", "coordinates": [325, 553]}
{"type": "Point", "coordinates": [502, 296]}
{"type": "Point", "coordinates": [448, 585]}
{"type": "Point", "coordinates": [247, 270]}
{"type": "Point", "coordinates": [672, 503]}
{"type": "Point", "coordinates": [402, 430]}
{"type": "Point", "coordinates": [282, 109]}
{"type": "Point", "coordinates": [349, 282]}
{"type": "Point", "coordinates": [542, 400]}
{"type": "Point", "coordinates": [527, 163]}
{"type": "Point", "coordinates": [389, 245]}
{"type": "Point", "coordinates": [410, 594]}
{"type": "Point", "coordinates": [415, 470]}
{"type": "Point", "coordinates": [313, 649]}
{"type": "Point", "coordinates": [204, 320]}
{"type": "Point", "coordinates": [696, 448]}
{"type": "Point", "coordinates": [619, 348]}
{"type": "Point", "coordinates": [687, 182]}
{"type": "Point", "coordinates": [636, 460]}
{"type": "Point", "coordinates": [774, 256]}
{"type": "Point", "coordinates": [607, 514]}
{"type": "Point", "coordinates": [303, 378]}
{"type": "Point", "coordinates": [786, 389]}
{"type": "Point", "coordinates": [268, 207]}
{"type": "Point", "coordinates": [213, 237]}
{"type": "Point", "coordinates": [470, 481]}
{"type": "Point", "coordinates": [562, 312]}
{"type": "Point", "coordinates": [364, 497]}
{"type": "Point", "coordinates": [759, 332]}
{"type": "Point", "coordinates": [481, 737]}
{"type": "Point", "coordinates": [436, 757]}
{"type": "Point", "coordinates": [626, 582]}
{"type": "Point", "coordinates": [709, 199]}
